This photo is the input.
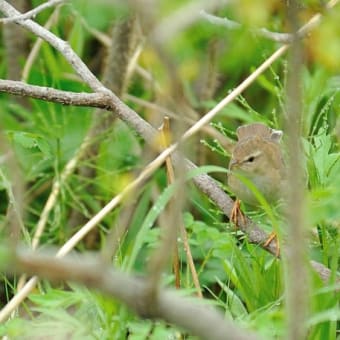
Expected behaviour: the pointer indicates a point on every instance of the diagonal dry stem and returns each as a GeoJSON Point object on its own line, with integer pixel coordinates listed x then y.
{"type": "Point", "coordinates": [145, 130]}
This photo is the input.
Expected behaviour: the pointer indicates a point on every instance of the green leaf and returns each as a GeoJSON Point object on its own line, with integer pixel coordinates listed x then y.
{"type": "Point", "coordinates": [328, 315]}
{"type": "Point", "coordinates": [159, 206]}
{"type": "Point", "coordinates": [31, 141]}
{"type": "Point", "coordinates": [235, 304]}
{"type": "Point", "coordinates": [77, 36]}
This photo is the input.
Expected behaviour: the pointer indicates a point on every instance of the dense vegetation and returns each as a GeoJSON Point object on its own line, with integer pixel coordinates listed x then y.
{"type": "Point", "coordinates": [182, 73]}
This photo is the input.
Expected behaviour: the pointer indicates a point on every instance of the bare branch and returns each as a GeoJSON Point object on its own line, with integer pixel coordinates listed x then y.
{"type": "Point", "coordinates": [111, 102]}
{"type": "Point", "coordinates": [19, 88]}
{"type": "Point", "coordinates": [16, 47]}
{"type": "Point", "coordinates": [82, 232]}
{"type": "Point", "coordinates": [183, 18]}
{"type": "Point", "coordinates": [324, 272]}
{"type": "Point", "coordinates": [232, 25]}
{"type": "Point", "coordinates": [204, 182]}
{"type": "Point", "coordinates": [233, 94]}
{"type": "Point", "coordinates": [200, 319]}
{"type": "Point", "coordinates": [227, 142]}
{"type": "Point", "coordinates": [59, 44]}
{"type": "Point", "coordinates": [285, 38]}
{"type": "Point", "coordinates": [37, 45]}
{"type": "Point", "coordinates": [32, 13]}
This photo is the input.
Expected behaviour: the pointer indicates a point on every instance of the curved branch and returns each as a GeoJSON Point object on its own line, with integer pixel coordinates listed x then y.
{"type": "Point", "coordinates": [60, 45]}
{"type": "Point", "coordinates": [191, 314]}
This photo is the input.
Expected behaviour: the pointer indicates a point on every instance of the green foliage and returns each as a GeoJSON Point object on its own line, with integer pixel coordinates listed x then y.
{"type": "Point", "coordinates": [75, 313]}
{"type": "Point", "coordinates": [151, 330]}
{"type": "Point", "coordinates": [239, 278]}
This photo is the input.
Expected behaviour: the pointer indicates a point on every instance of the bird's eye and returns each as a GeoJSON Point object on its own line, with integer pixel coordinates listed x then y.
{"type": "Point", "coordinates": [251, 159]}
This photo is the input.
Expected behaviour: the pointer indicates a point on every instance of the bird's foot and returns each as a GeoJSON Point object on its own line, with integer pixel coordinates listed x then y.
{"type": "Point", "coordinates": [236, 213]}
{"type": "Point", "coordinates": [271, 237]}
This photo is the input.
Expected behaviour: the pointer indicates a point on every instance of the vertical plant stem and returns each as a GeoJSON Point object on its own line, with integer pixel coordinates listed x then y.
{"type": "Point", "coordinates": [169, 221]}
{"type": "Point", "coordinates": [190, 261]}
{"type": "Point", "coordinates": [171, 178]}
{"type": "Point", "coordinates": [297, 283]}
{"type": "Point", "coordinates": [165, 135]}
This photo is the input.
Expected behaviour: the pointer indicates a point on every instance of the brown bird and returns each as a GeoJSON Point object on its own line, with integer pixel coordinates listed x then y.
{"type": "Point", "coordinates": [257, 156]}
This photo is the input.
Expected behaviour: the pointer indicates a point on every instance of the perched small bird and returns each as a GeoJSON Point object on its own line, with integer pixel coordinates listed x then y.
{"type": "Point", "coordinates": [257, 156]}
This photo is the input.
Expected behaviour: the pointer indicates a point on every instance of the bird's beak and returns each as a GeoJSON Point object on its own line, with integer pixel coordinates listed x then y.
{"type": "Point", "coordinates": [232, 163]}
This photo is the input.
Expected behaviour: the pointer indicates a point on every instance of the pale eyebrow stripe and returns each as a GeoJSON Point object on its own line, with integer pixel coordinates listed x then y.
{"type": "Point", "coordinates": [254, 154]}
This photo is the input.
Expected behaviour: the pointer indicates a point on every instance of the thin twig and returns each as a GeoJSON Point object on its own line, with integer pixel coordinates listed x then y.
{"type": "Point", "coordinates": [146, 173]}
{"type": "Point", "coordinates": [37, 45]}
{"type": "Point", "coordinates": [205, 183]}
{"type": "Point", "coordinates": [169, 220]}
{"type": "Point", "coordinates": [233, 94]}
{"type": "Point", "coordinates": [79, 235]}
{"type": "Point", "coordinates": [18, 298]}
{"type": "Point", "coordinates": [51, 201]}
{"type": "Point", "coordinates": [56, 187]}
{"type": "Point", "coordinates": [171, 178]}
{"type": "Point", "coordinates": [227, 142]}
{"type": "Point", "coordinates": [190, 261]}
{"type": "Point", "coordinates": [62, 46]}
{"type": "Point", "coordinates": [183, 18]}
{"type": "Point", "coordinates": [233, 25]}
{"type": "Point", "coordinates": [32, 13]}
{"type": "Point", "coordinates": [285, 38]}
{"type": "Point", "coordinates": [19, 88]}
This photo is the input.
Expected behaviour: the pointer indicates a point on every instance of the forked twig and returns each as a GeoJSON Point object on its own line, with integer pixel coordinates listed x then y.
{"type": "Point", "coordinates": [32, 13]}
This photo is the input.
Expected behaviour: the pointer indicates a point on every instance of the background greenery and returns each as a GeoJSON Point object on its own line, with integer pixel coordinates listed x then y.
{"type": "Point", "coordinates": [244, 281]}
